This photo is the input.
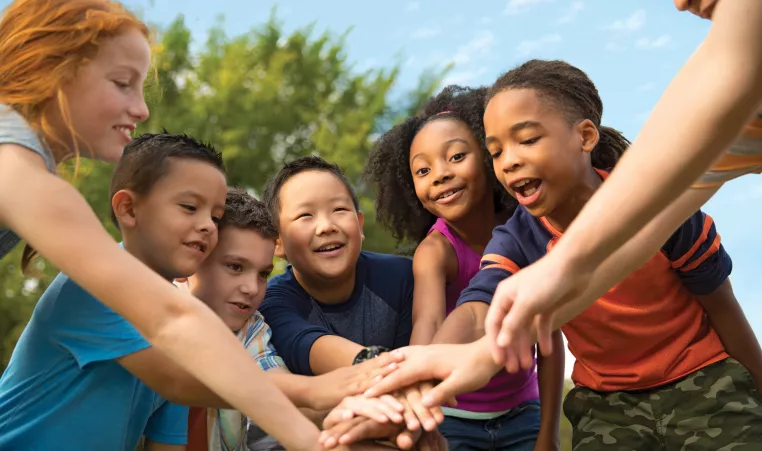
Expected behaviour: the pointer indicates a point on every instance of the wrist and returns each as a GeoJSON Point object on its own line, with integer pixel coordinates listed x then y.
{"type": "Point", "coordinates": [368, 353]}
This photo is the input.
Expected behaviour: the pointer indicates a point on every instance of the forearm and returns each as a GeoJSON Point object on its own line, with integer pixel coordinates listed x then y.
{"type": "Point", "coordinates": [315, 416]}
{"type": "Point", "coordinates": [550, 375]}
{"type": "Point", "coordinates": [296, 388]}
{"type": "Point", "coordinates": [424, 331]}
{"type": "Point", "coordinates": [727, 72]}
{"type": "Point", "coordinates": [635, 253]}
{"type": "Point", "coordinates": [465, 324]}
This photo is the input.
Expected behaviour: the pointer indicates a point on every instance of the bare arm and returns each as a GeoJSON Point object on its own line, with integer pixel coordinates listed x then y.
{"type": "Point", "coordinates": [727, 72]}
{"type": "Point", "coordinates": [331, 352]}
{"type": "Point", "coordinates": [55, 219]}
{"type": "Point", "coordinates": [430, 266]}
{"type": "Point", "coordinates": [550, 375]}
{"type": "Point", "coordinates": [730, 323]}
{"type": "Point", "coordinates": [465, 324]}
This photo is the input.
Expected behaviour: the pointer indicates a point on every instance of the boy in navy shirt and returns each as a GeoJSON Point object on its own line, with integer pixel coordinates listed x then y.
{"type": "Point", "coordinates": [334, 299]}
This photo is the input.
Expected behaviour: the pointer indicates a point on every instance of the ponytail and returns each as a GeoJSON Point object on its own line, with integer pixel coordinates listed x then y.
{"type": "Point", "coordinates": [611, 146]}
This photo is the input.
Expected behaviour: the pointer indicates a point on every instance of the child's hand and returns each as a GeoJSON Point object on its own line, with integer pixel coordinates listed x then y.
{"type": "Point", "coordinates": [381, 409]}
{"type": "Point", "coordinates": [431, 441]}
{"type": "Point", "coordinates": [360, 428]}
{"type": "Point", "coordinates": [329, 389]}
{"type": "Point", "coordinates": [416, 414]}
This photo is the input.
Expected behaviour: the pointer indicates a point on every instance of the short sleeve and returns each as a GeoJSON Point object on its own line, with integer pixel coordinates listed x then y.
{"type": "Point", "coordinates": [292, 335]}
{"type": "Point", "coordinates": [259, 345]}
{"type": "Point", "coordinates": [89, 330]}
{"type": "Point", "coordinates": [405, 312]}
{"type": "Point", "coordinates": [698, 256]}
{"type": "Point", "coordinates": [168, 425]}
{"type": "Point", "coordinates": [502, 258]}
{"type": "Point", "coordinates": [14, 129]}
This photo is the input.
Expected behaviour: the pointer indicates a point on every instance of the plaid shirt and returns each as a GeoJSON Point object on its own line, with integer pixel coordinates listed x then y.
{"type": "Point", "coordinates": [226, 429]}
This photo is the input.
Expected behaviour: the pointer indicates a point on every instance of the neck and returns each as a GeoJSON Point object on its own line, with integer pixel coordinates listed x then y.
{"type": "Point", "coordinates": [563, 215]}
{"type": "Point", "coordinates": [476, 228]}
{"type": "Point", "coordinates": [133, 248]}
{"type": "Point", "coordinates": [328, 291]}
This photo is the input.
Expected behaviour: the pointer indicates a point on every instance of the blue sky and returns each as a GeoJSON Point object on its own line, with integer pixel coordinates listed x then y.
{"type": "Point", "coordinates": [630, 49]}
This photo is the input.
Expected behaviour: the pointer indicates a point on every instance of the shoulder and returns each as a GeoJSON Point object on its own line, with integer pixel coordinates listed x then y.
{"type": "Point", "coordinates": [434, 252]}
{"type": "Point", "coordinates": [283, 291]}
{"type": "Point", "coordinates": [15, 132]}
{"type": "Point", "coordinates": [394, 265]}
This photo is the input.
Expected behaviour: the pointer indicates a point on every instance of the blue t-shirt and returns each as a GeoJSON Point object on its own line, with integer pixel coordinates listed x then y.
{"type": "Point", "coordinates": [14, 129]}
{"type": "Point", "coordinates": [63, 388]}
{"type": "Point", "coordinates": [379, 311]}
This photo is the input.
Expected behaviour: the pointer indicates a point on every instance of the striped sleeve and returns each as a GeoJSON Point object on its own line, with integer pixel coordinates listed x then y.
{"type": "Point", "coordinates": [257, 342]}
{"type": "Point", "coordinates": [697, 255]}
{"type": "Point", "coordinates": [501, 259]}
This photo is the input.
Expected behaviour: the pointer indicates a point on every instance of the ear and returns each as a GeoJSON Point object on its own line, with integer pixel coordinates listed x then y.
{"type": "Point", "coordinates": [361, 220]}
{"type": "Point", "coordinates": [279, 251]}
{"type": "Point", "coordinates": [589, 134]}
{"type": "Point", "coordinates": [123, 205]}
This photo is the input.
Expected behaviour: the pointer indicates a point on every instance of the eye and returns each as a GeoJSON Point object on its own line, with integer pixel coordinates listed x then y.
{"type": "Point", "coordinates": [303, 215]}
{"type": "Point", "coordinates": [458, 157]}
{"type": "Point", "coordinates": [265, 274]}
{"type": "Point", "coordinates": [216, 219]}
{"type": "Point", "coordinates": [422, 172]}
{"type": "Point", "coordinates": [531, 141]}
{"type": "Point", "coordinates": [188, 207]}
{"type": "Point", "coordinates": [121, 84]}
{"type": "Point", "coordinates": [340, 209]}
{"type": "Point", "coordinates": [496, 154]}
{"type": "Point", "coordinates": [235, 267]}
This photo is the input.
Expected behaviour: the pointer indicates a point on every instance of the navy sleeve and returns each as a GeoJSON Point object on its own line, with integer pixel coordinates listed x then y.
{"type": "Point", "coordinates": [405, 324]}
{"type": "Point", "coordinates": [697, 255]}
{"type": "Point", "coordinates": [502, 258]}
{"type": "Point", "coordinates": [293, 336]}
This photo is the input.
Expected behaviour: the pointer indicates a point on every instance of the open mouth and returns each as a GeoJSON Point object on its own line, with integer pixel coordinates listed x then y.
{"type": "Point", "coordinates": [448, 195]}
{"type": "Point", "coordinates": [526, 187]}
{"type": "Point", "coordinates": [197, 246]}
{"type": "Point", "coordinates": [330, 247]}
{"type": "Point", "coordinates": [244, 308]}
{"type": "Point", "coordinates": [125, 131]}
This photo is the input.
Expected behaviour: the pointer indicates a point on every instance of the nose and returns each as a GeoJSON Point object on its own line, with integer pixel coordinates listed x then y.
{"type": "Point", "coordinates": [206, 224]}
{"type": "Point", "coordinates": [442, 173]}
{"type": "Point", "coordinates": [250, 286]}
{"type": "Point", "coordinates": [139, 109]}
{"type": "Point", "coordinates": [509, 161]}
{"type": "Point", "coordinates": [325, 225]}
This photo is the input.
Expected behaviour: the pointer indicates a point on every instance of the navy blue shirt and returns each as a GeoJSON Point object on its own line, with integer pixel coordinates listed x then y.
{"type": "Point", "coordinates": [378, 312]}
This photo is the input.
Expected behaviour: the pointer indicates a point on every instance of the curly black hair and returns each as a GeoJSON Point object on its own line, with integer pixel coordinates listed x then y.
{"type": "Point", "coordinates": [570, 89]}
{"type": "Point", "coordinates": [388, 169]}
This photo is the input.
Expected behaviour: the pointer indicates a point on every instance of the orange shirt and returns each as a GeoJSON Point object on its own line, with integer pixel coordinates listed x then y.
{"type": "Point", "coordinates": [744, 157]}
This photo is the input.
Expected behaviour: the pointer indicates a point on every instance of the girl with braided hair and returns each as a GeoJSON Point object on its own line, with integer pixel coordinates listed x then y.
{"type": "Point", "coordinates": [435, 187]}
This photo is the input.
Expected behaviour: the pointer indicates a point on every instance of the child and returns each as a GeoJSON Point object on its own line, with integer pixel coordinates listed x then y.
{"type": "Point", "coordinates": [78, 373]}
{"type": "Point", "coordinates": [71, 83]}
{"type": "Point", "coordinates": [333, 296]}
{"type": "Point", "coordinates": [434, 187]}
{"type": "Point", "coordinates": [674, 154]}
{"type": "Point", "coordinates": [232, 282]}
{"type": "Point", "coordinates": [647, 351]}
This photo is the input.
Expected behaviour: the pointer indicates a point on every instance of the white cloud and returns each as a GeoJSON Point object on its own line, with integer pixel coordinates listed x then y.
{"type": "Point", "coordinates": [646, 86]}
{"type": "Point", "coordinates": [479, 45]}
{"type": "Point", "coordinates": [632, 23]}
{"type": "Point", "coordinates": [572, 13]}
{"type": "Point", "coordinates": [531, 46]}
{"type": "Point", "coordinates": [464, 77]}
{"type": "Point", "coordinates": [413, 6]}
{"type": "Point", "coordinates": [653, 43]}
{"type": "Point", "coordinates": [516, 6]}
{"type": "Point", "coordinates": [425, 33]}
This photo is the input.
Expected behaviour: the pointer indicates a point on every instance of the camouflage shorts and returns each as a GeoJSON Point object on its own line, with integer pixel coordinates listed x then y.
{"type": "Point", "coordinates": [715, 408]}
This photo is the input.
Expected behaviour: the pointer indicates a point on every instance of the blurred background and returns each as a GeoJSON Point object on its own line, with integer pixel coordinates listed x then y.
{"type": "Point", "coordinates": [268, 81]}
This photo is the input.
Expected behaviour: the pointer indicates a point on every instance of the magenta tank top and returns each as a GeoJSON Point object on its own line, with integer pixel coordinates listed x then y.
{"type": "Point", "coordinates": [505, 391]}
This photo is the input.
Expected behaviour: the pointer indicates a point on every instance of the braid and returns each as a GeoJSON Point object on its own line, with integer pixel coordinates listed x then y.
{"type": "Point", "coordinates": [570, 89]}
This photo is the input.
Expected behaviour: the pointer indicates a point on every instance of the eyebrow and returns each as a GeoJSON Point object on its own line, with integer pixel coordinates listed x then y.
{"type": "Point", "coordinates": [248, 262]}
{"type": "Point", "coordinates": [447, 144]}
{"type": "Point", "coordinates": [330, 199]}
{"type": "Point", "coordinates": [514, 129]}
{"type": "Point", "coordinates": [198, 196]}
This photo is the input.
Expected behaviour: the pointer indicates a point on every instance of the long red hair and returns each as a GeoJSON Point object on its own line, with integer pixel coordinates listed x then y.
{"type": "Point", "coordinates": [43, 44]}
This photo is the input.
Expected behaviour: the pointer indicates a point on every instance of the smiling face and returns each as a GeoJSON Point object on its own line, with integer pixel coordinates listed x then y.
{"type": "Point", "coordinates": [448, 170]}
{"type": "Point", "coordinates": [105, 100]}
{"type": "Point", "coordinates": [233, 280]}
{"type": "Point", "coordinates": [173, 228]}
{"type": "Point", "coordinates": [320, 229]}
{"type": "Point", "coordinates": [538, 156]}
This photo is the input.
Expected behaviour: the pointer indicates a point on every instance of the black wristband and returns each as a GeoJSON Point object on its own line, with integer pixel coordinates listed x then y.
{"type": "Point", "coordinates": [368, 353]}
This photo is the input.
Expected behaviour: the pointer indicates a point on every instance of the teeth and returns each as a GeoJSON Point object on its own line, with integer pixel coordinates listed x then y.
{"type": "Point", "coordinates": [529, 191]}
{"type": "Point", "coordinates": [447, 194]}
{"type": "Point", "coordinates": [329, 248]}
{"type": "Point", "coordinates": [521, 183]}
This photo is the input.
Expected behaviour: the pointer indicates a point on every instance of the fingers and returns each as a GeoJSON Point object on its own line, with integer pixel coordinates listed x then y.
{"type": "Point", "coordinates": [408, 373]}
{"type": "Point", "coordinates": [431, 441]}
{"type": "Point", "coordinates": [424, 414]}
{"type": "Point", "coordinates": [411, 420]}
{"type": "Point", "coordinates": [368, 429]}
{"type": "Point", "coordinates": [406, 439]}
{"type": "Point", "coordinates": [329, 438]}
{"type": "Point", "coordinates": [382, 409]}
{"type": "Point", "coordinates": [436, 411]}
{"type": "Point", "coordinates": [443, 391]}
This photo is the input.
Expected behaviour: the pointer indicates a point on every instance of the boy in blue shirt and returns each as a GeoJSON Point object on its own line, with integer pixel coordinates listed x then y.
{"type": "Point", "coordinates": [70, 381]}
{"type": "Point", "coordinates": [334, 299]}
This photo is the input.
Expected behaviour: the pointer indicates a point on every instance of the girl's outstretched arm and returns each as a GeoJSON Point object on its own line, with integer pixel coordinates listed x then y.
{"type": "Point", "coordinates": [56, 220]}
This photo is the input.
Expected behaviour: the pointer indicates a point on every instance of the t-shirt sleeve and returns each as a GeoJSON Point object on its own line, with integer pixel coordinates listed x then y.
{"type": "Point", "coordinates": [89, 330]}
{"type": "Point", "coordinates": [168, 425]}
{"type": "Point", "coordinates": [697, 255]}
{"type": "Point", "coordinates": [405, 312]}
{"type": "Point", "coordinates": [14, 129]}
{"type": "Point", "coordinates": [292, 335]}
{"type": "Point", "coordinates": [502, 258]}
{"type": "Point", "coordinates": [260, 346]}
